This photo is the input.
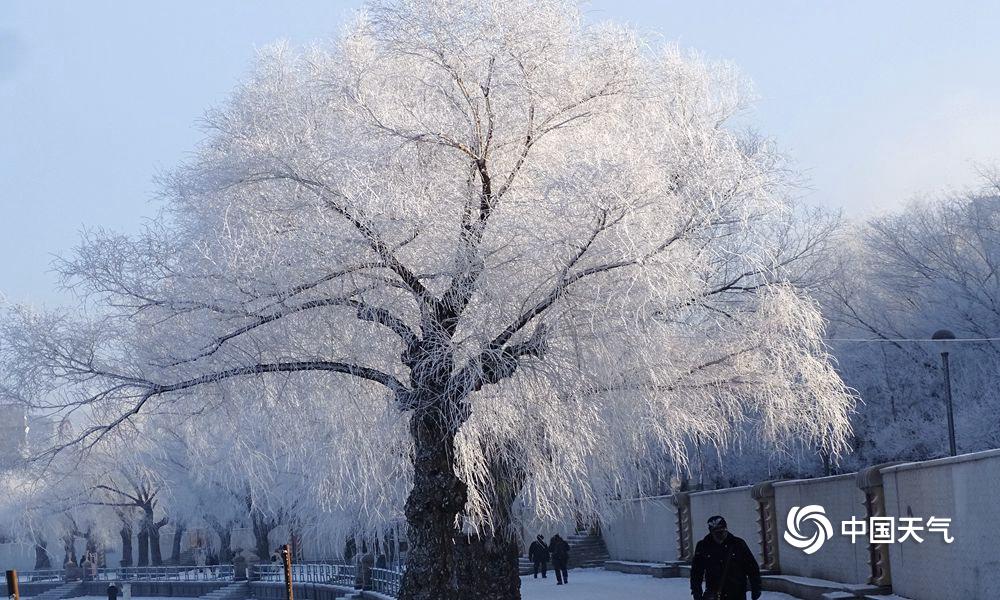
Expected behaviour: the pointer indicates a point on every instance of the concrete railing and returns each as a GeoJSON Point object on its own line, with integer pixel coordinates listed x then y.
{"type": "Point", "coordinates": [965, 489]}
{"type": "Point", "coordinates": [839, 559]}
{"type": "Point", "coordinates": [735, 504]}
{"type": "Point", "coordinates": [645, 530]}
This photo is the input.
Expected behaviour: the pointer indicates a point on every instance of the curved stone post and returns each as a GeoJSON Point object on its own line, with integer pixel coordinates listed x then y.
{"type": "Point", "coordinates": [767, 520]}
{"type": "Point", "coordinates": [870, 482]}
{"type": "Point", "coordinates": [685, 535]}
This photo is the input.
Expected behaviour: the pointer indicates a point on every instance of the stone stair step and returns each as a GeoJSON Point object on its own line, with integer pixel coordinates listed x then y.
{"type": "Point", "coordinates": [232, 591]}
{"type": "Point", "coordinates": [66, 590]}
{"type": "Point", "coordinates": [585, 551]}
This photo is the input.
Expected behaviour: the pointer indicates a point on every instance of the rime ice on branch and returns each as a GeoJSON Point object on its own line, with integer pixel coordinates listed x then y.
{"type": "Point", "coordinates": [537, 241]}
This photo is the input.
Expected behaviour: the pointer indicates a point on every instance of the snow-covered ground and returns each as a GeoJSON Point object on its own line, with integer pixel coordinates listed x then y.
{"type": "Point", "coordinates": [135, 597]}
{"type": "Point", "coordinates": [598, 584]}
{"type": "Point", "coordinates": [584, 584]}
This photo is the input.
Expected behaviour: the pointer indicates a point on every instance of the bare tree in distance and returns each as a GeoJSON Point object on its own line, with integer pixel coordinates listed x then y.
{"type": "Point", "coordinates": [930, 265]}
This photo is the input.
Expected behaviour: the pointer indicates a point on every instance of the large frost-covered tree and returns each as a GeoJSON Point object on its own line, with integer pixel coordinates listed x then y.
{"type": "Point", "coordinates": [517, 254]}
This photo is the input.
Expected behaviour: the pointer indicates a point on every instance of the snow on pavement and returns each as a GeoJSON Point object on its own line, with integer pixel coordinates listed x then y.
{"type": "Point", "coordinates": [584, 584]}
{"type": "Point", "coordinates": [134, 596]}
{"type": "Point", "coordinates": [598, 584]}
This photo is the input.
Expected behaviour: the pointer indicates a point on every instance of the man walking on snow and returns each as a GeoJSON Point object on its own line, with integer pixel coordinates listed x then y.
{"type": "Point", "coordinates": [559, 549]}
{"type": "Point", "coordinates": [538, 553]}
{"type": "Point", "coordinates": [725, 563]}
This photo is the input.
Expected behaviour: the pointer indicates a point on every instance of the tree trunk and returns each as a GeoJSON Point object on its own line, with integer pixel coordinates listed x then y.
{"type": "Point", "coordinates": [225, 534]}
{"type": "Point", "coordinates": [69, 549]}
{"type": "Point", "coordinates": [487, 565]}
{"type": "Point", "coordinates": [155, 554]}
{"type": "Point", "coordinates": [261, 533]}
{"type": "Point", "coordinates": [42, 555]}
{"type": "Point", "coordinates": [487, 568]}
{"type": "Point", "coordinates": [92, 549]}
{"type": "Point", "coordinates": [431, 508]}
{"type": "Point", "coordinates": [143, 546]}
{"type": "Point", "coordinates": [175, 547]}
{"type": "Point", "coordinates": [225, 546]}
{"type": "Point", "coordinates": [295, 542]}
{"type": "Point", "coordinates": [126, 535]}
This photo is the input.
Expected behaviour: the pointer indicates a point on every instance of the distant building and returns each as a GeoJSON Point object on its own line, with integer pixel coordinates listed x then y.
{"type": "Point", "coordinates": [13, 435]}
{"type": "Point", "coordinates": [41, 434]}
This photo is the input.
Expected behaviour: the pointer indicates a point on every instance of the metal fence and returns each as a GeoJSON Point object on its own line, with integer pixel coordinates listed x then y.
{"type": "Point", "coordinates": [178, 573]}
{"type": "Point", "coordinates": [41, 575]}
{"type": "Point", "coordinates": [306, 573]}
{"type": "Point", "coordinates": [386, 581]}
{"type": "Point", "coordinates": [171, 573]}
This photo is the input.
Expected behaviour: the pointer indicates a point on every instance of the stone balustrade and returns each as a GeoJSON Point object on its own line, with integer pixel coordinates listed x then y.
{"type": "Point", "coordinates": [965, 489]}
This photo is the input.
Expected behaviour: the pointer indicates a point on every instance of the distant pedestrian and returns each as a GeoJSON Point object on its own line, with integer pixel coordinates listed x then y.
{"type": "Point", "coordinates": [87, 567]}
{"type": "Point", "coordinates": [559, 549]}
{"type": "Point", "coordinates": [366, 562]}
{"type": "Point", "coordinates": [725, 563]}
{"type": "Point", "coordinates": [199, 558]}
{"type": "Point", "coordinates": [538, 554]}
{"type": "Point", "coordinates": [239, 566]}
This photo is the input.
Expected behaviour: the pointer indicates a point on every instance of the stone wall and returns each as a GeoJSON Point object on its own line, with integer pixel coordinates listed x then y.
{"type": "Point", "coordinates": [735, 505]}
{"type": "Point", "coordinates": [965, 488]}
{"type": "Point", "coordinates": [838, 559]}
{"type": "Point", "coordinates": [645, 531]}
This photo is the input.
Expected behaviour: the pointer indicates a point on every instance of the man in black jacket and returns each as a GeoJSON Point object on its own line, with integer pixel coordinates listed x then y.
{"type": "Point", "coordinates": [559, 549]}
{"type": "Point", "coordinates": [538, 553]}
{"type": "Point", "coordinates": [725, 563]}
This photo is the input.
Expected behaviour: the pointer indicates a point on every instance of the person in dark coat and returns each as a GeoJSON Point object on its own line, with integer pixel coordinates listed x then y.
{"type": "Point", "coordinates": [726, 565]}
{"type": "Point", "coordinates": [538, 553]}
{"type": "Point", "coordinates": [559, 549]}
{"type": "Point", "coordinates": [239, 565]}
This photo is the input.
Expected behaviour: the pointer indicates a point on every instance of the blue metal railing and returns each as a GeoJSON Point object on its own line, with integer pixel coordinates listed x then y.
{"type": "Point", "coordinates": [172, 573]}
{"type": "Point", "coordinates": [383, 581]}
{"type": "Point", "coordinates": [41, 575]}
{"type": "Point", "coordinates": [163, 573]}
{"type": "Point", "coordinates": [305, 573]}
{"type": "Point", "coordinates": [386, 581]}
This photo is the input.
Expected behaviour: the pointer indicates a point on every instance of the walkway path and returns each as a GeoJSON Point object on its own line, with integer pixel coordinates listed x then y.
{"type": "Point", "coordinates": [586, 584]}
{"type": "Point", "coordinates": [597, 584]}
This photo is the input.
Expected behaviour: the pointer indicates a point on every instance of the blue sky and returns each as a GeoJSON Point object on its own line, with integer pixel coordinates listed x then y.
{"type": "Point", "coordinates": [875, 100]}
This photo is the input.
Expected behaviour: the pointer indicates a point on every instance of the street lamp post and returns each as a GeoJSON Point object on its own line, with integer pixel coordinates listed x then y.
{"type": "Point", "coordinates": [944, 334]}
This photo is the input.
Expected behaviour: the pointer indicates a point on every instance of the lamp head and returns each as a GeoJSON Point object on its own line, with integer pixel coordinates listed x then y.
{"type": "Point", "coordinates": [942, 336]}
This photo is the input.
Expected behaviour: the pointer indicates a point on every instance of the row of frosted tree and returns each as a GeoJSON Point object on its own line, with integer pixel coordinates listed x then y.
{"type": "Point", "coordinates": [902, 276]}
{"type": "Point", "coordinates": [207, 479]}
{"type": "Point", "coordinates": [465, 258]}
